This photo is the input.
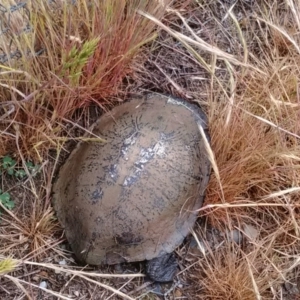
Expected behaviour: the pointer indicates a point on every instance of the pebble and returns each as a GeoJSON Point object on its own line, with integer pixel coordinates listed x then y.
{"type": "Point", "coordinates": [178, 293]}
{"type": "Point", "coordinates": [43, 284]}
{"type": "Point", "coordinates": [62, 262]}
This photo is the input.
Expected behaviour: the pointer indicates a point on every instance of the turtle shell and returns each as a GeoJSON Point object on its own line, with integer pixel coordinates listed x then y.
{"type": "Point", "coordinates": [134, 196]}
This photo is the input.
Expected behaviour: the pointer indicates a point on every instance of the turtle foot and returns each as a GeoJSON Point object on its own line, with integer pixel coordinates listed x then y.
{"type": "Point", "coordinates": [162, 268]}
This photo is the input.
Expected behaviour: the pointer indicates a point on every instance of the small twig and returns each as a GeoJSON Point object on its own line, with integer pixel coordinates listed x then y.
{"type": "Point", "coordinates": [119, 289]}
{"type": "Point", "coordinates": [141, 287]}
{"type": "Point", "coordinates": [15, 280]}
{"type": "Point", "coordinates": [229, 205]}
{"type": "Point", "coordinates": [9, 112]}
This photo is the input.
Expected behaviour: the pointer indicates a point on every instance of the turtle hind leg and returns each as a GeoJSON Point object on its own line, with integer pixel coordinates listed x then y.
{"type": "Point", "coordinates": [162, 268]}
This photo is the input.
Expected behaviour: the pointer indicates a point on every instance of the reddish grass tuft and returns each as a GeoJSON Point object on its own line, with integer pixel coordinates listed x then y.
{"type": "Point", "coordinates": [84, 52]}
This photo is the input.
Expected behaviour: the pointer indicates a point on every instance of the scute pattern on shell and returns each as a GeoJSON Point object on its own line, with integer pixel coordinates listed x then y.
{"type": "Point", "coordinates": [135, 196]}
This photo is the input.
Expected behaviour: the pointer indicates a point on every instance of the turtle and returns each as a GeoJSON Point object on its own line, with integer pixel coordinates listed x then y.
{"type": "Point", "coordinates": [133, 195]}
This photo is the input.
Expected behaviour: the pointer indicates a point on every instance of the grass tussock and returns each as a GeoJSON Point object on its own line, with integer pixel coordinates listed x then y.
{"type": "Point", "coordinates": [255, 128]}
{"type": "Point", "coordinates": [227, 276]}
{"type": "Point", "coordinates": [30, 231]}
{"type": "Point", "coordinates": [57, 57]}
{"type": "Point", "coordinates": [257, 268]}
{"type": "Point", "coordinates": [6, 265]}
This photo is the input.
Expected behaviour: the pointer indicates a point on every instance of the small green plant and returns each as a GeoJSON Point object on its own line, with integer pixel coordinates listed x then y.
{"type": "Point", "coordinates": [9, 165]}
{"type": "Point", "coordinates": [6, 200]}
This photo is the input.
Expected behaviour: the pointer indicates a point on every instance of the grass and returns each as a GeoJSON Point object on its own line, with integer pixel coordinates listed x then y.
{"type": "Point", "coordinates": [253, 109]}
{"type": "Point", "coordinates": [73, 56]}
{"type": "Point", "coordinates": [240, 63]}
{"type": "Point", "coordinates": [7, 265]}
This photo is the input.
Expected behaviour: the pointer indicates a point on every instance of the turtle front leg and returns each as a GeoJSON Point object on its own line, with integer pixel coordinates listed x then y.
{"type": "Point", "coordinates": [162, 268]}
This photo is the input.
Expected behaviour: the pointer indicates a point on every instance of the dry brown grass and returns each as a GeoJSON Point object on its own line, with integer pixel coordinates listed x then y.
{"type": "Point", "coordinates": [241, 63]}
{"type": "Point", "coordinates": [227, 275]}
{"type": "Point", "coordinates": [84, 53]}
{"type": "Point", "coordinates": [254, 109]}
